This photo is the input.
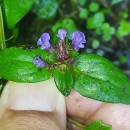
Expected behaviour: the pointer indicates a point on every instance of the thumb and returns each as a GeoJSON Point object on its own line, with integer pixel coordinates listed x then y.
{"type": "Point", "coordinates": [32, 106]}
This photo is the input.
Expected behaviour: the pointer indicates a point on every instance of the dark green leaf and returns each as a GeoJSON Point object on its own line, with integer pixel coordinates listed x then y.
{"type": "Point", "coordinates": [98, 78]}
{"type": "Point", "coordinates": [73, 53]}
{"type": "Point", "coordinates": [45, 9]}
{"type": "Point", "coordinates": [16, 64]}
{"type": "Point", "coordinates": [63, 79]}
{"type": "Point", "coordinates": [15, 10]}
{"type": "Point", "coordinates": [51, 58]}
{"type": "Point", "coordinates": [97, 125]}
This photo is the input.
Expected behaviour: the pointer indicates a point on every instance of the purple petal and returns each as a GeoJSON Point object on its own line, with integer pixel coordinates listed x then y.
{"type": "Point", "coordinates": [39, 62]}
{"type": "Point", "coordinates": [81, 45]}
{"type": "Point", "coordinates": [78, 39]}
{"type": "Point", "coordinates": [44, 41]}
{"type": "Point", "coordinates": [62, 34]}
{"type": "Point", "coordinates": [39, 42]}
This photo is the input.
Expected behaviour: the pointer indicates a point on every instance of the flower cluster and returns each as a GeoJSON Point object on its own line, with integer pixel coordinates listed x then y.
{"type": "Point", "coordinates": [77, 41]}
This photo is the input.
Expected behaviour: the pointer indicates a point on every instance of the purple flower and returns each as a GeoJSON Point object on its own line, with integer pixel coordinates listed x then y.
{"type": "Point", "coordinates": [62, 34]}
{"type": "Point", "coordinates": [44, 41]}
{"type": "Point", "coordinates": [39, 62]}
{"type": "Point", "coordinates": [78, 40]}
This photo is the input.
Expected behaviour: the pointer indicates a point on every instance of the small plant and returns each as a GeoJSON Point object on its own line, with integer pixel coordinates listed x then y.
{"type": "Point", "coordinates": [90, 75]}
{"type": "Point", "coordinates": [57, 55]}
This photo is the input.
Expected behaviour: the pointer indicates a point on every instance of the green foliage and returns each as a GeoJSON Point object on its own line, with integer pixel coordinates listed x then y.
{"type": "Point", "coordinates": [98, 78]}
{"type": "Point", "coordinates": [123, 29]}
{"type": "Point", "coordinates": [73, 53]}
{"type": "Point", "coordinates": [95, 21]}
{"type": "Point", "coordinates": [107, 31]}
{"type": "Point", "coordinates": [97, 125]}
{"type": "Point", "coordinates": [83, 13]}
{"type": "Point", "coordinates": [63, 79]}
{"type": "Point", "coordinates": [16, 64]}
{"type": "Point", "coordinates": [45, 9]}
{"type": "Point", "coordinates": [16, 10]}
{"type": "Point", "coordinates": [93, 7]}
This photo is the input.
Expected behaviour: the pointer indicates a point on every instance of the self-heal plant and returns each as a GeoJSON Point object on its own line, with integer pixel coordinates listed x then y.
{"type": "Point", "coordinates": [90, 75]}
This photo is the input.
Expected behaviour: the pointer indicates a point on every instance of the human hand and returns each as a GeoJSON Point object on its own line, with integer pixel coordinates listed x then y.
{"type": "Point", "coordinates": [85, 110]}
{"type": "Point", "coordinates": [32, 106]}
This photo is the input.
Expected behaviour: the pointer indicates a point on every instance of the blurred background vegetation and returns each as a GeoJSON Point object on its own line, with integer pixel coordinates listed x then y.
{"type": "Point", "coordinates": [106, 24]}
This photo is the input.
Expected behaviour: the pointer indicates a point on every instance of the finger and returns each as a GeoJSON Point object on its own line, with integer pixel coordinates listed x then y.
{"type": "Point", "coordinates": [32, 106]}
{"type": "Point", "coordinates": [117, 115]}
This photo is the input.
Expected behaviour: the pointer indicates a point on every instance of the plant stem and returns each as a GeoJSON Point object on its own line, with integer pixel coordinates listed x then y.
{"type": "Point", "coordinates": [2, 36]}
{"type": "Point", "coordinates": [76, 124]}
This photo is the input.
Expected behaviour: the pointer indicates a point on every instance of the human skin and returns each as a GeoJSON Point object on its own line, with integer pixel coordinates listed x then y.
{"type": "Point", "coordinates": [85, 110]}
{"type": "Point", "coordinates": [32, 106]}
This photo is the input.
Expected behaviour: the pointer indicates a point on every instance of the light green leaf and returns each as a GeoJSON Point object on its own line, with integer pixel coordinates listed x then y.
{"type": "Point", "coordinates": [95, 21]}
{"type": "Point", "coordinates": [98, 78]}
{"type": "Point", "coordinates": [16, 64]}
{"type": "Point", "coordinates": [15, 10]}
{"type": "Point", "coordinates": [63, 79]}
{"type": "Point", "coordinates": [123, 29]}
{"type": "Point", "coordinates": [83, 13]}
{"type": "Point", "coordinates": [93, 7]}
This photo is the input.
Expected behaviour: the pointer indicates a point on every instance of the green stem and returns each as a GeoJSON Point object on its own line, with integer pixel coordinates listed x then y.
{"type": "Point", "coordinates": [76, 124]}
{"type": "Point", "coordinates": [2, 36]}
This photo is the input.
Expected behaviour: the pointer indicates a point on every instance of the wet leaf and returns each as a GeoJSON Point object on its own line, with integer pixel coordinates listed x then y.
{"type": "Point", "coordinates": [97, 78]}
{"type": "Point", "coordinates": [16, 64]}
{"type": "Point", "coordinates": [63, 79]}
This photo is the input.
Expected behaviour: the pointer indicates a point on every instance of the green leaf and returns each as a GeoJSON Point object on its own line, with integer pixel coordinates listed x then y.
{"type": "Point", "coordinates": [83, 13]}
{"type": "Point", "coordinates": [63, 79]}
{"type": "Point", "coordinates": [67, 24]}
{"type": "Point", "coordinates": [73, 53]}
{"type": "Point", "coordinates": [108, 31]}
{"type": "Point", "coordinates": [16, 64]}
{"type": "Point", "coordinates": [93, 7]}
{"type": "Point", "coordinates": [97, 78]}
{"type": "Point", "coordinates": [123, 29]}
{"type": "Point", "coordinates": [98, 125]}
{"type": "Point", "coordinates": [45, 9]}
{"type": "Point", "coordinates": [51, 58]}
{"type": "Point", "coordinates": [15, 10]}
{"type": "Point", "coordinates": [95, 21]}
